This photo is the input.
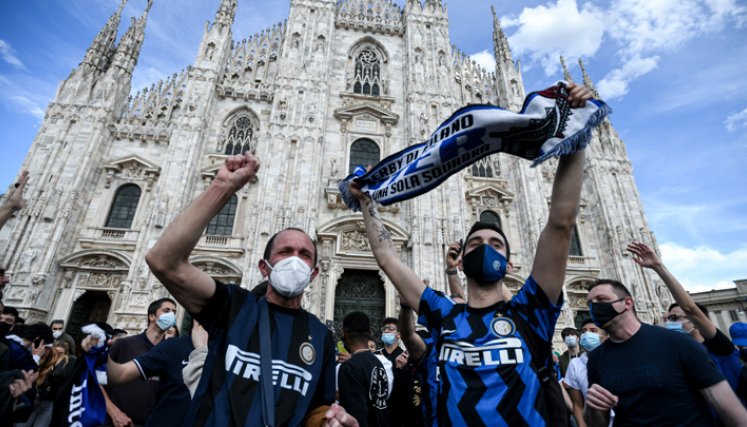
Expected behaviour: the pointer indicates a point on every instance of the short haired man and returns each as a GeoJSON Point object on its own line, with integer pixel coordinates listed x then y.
{"type": "Point", "coordinates": [570, 339]}
{"type": "Point", "coordinates": [58, 330]}
{"type": "Point", "coordinates": [649, 375]}
{"type": "Point", "coordinates": [9, 316]}
{"type": "Point", "coordinates": [363, 382]}
{"type": "Point", "coordinates": [479, 344]}
{"type": "Point", "coordinates": [133, 402]}
{"type": "Point", "coordinates": [390, 338]}
{"type": "Point", "coordinates": [301, 347]}
{"type": "Point", "coordinates": [576, 377]}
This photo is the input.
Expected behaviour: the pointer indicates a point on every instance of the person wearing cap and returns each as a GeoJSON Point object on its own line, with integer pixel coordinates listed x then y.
{"type": "Point", "coordinates": [363, 382]}
{"type": "Point", "coordinates": [690, 318]}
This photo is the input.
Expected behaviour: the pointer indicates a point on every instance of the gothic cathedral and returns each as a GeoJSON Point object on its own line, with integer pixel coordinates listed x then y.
{"type": "Point", "coordinates": [340, 83]}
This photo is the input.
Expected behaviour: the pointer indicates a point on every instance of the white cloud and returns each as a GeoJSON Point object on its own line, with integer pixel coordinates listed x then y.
{"type": "Point", "coordinates": [6, 53]}
{"type": "Point", "coordinates": [736, 121]}
{"type": "Point", "coordinates": [484, 59]}
{"type": "Point", "coordinates": [640, 29]}
{"type": "Point", "coordinates": [546, 32]}
{"type": "Point", "coordinates": [28, 106]}
{"type": "Point", "coordinates": [703, 268]}
{"type": "Point", "coordinates": [617, 82]}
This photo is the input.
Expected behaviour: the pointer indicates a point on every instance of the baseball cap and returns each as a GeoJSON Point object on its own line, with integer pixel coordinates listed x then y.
{"type": "Point", "coordinates": [738, 332]}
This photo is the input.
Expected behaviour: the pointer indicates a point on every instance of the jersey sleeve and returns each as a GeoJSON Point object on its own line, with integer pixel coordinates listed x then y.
{"type": "Point", "coordinates": [157, 360]}
{"type": "Point", "coordinates": [215, 313]}
{"type": "Point", "coordinates": [699, 367]}
{"type": "Point", "coordinates": [434, 306]}
{"type": "Point", "coordinates": [720, 344]}
{"type": "Point", "coordinates": [353, 393]}
{"type": "Point", "coordinates": [535, 307]}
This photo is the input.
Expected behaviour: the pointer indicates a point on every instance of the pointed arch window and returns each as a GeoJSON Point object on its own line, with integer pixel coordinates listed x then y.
{"type": "Point", "coordinates": [363, 152]}
{"type": "Point", "coordinates": [575, 248]}
{"type": "Point", "coordinates": [124, 207]}
{"type": "Point", "coordinates": [367, 80]}
{"type": "Point", "coordinates": [240, 133]}
{"type": "Point", "coordinates": [491, 218]}
{"type": "Point", "coordinates": [222, 223]}
{"type": "Point", "coordinates": [483, 168]}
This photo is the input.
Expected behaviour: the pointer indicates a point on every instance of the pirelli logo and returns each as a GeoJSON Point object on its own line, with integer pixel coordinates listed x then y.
{"type": "Point", "coordinates": [246, 365]}
{"type": "Point", "coordinates": [502, 351]}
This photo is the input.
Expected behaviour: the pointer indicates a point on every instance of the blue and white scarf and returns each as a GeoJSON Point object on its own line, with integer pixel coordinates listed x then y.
{"type": "Point", "coordinates": [546, 127]}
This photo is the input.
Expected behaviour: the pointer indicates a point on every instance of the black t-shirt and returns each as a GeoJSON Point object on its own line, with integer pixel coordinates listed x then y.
{"type": "Point", "coordinates": [657, 375]}
{"type": "Point", "coordinates": [136, 398]}
{"type": "Point", "coordinates": [393, 355]}
{"type": "Point", "coordinates": [364, 389]}
{"type": "Point", "coordinates": [406, 402]}
{"type": "Point", "coordinates": [166, 361]}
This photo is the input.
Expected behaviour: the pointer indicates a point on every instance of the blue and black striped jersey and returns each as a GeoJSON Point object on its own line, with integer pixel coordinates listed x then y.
{"type": "Point", "coordinates": [303, 363]}
{"type": "Point", "coordinates": [486, 376]}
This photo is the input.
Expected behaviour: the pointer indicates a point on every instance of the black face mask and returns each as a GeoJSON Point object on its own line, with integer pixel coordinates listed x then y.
{"type": "Point", "coordinates": [603, 312]}
{"type": "Point", "coordinates": [4, 329]}
{"type": "Point", "coordinates": [484, 264]}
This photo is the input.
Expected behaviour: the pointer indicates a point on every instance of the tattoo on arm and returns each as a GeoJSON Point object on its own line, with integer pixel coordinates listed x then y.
{"type": "Point", "coordinates": [384, 234]}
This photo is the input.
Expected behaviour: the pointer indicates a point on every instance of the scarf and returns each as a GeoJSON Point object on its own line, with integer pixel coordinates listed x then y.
{"type": "Point", "coordinates": [546, 127]}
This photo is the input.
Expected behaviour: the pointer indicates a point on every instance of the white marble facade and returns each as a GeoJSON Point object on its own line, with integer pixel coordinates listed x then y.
{"type": "Point", "coordinates": [292, 89]}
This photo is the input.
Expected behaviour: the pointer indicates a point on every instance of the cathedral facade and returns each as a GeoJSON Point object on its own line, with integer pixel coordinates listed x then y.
{"type": "Point", "coordinates": [339, 83]}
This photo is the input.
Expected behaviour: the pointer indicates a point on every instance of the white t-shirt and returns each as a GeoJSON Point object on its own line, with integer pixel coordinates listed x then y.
{"type": "Point", "coordinates": [576, 378]}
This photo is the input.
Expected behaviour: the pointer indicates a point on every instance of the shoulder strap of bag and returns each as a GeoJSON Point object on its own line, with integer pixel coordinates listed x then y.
{"type": "Point", "coordinates": [265, 356]}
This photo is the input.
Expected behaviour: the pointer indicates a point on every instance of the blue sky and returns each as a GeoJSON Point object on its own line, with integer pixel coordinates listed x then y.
{"type": "Point", "coordinates": [673, 71]}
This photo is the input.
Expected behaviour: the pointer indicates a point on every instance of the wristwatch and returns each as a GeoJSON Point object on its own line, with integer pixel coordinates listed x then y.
{"type": "Point", "coordinates": [452, 271]}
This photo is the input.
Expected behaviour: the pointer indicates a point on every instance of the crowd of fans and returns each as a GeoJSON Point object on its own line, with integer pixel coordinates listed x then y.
{"type": "Point", "coordinates": [478, 356]}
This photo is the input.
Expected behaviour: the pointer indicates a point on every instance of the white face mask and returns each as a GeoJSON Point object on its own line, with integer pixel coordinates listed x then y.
{"type": "Point", "coordinates": [290, 276]}
{"type": "Point", "coordinates": [571, 341]}
{"type": "Point", "coordinates": [56, 334]}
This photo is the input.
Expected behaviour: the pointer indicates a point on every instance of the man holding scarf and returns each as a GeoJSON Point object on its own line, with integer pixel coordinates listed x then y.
{"type": "Point", "coordinates": [488, 372]}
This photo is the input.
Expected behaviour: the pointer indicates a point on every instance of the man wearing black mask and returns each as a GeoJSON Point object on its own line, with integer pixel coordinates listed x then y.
{"type": "Point", "coordinates": [650, 375]}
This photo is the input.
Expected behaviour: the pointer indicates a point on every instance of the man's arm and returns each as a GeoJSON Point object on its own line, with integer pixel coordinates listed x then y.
{"type": "Point", "coordinates": [414, 344]}
{"type": "Point", "coordinates": [169, 258]}
{"type": "Point", "coordinates": [599, 401]}
{"type": "Point", "coordinates": [578, 406]}
{"type": "Point", "coordinates": [120, 373]}
{"type": "Point", "coordinates": [408, 284]}
{"type": "Point", "coordinates": [119, 418]}
{"type": "Point", "coordinates": [552, 248]}
{"type": "Point", "coordinates": [725, 403]}
{"type": "Point", "coordinates": [15, 200]}
{"type": "Point", "coordinates": [647, 258]}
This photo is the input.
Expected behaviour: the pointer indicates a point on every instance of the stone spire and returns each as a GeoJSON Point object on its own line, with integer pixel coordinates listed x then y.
{"type": "Point", "coordinates": [501, 49]}
{"type": "Point", "coordinates": [566, 75]}
{"type": "Point", "coordinates": [129, 46]}
{"type": "Point", "coordinates": [587, 80]}
{"type": "Point", "coordinates": [226, 13]}
{"type": "Point", "coordinates": [99, 54]}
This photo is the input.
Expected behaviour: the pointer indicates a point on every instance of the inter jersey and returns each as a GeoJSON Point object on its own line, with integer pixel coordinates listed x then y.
{"type": "Point", "coordinates": [303, 363]}
{"type": "Point", "coordinates": [486, 375]}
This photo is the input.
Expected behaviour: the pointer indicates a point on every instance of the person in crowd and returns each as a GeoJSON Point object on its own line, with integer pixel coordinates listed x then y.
{"type": "Point", "coordinates": [55, 367]}
{"type": "Point", "coordinates": [690, 318]}
{"type": "Point", "coordinates": [58, 331]}
{"type": "Point", "coordinates": [25, 347]}
{"type": "Point", "coordinates": [390, 339]}
{"type": "Point", "coordinates": [575, 379]}
{"type": "Point", "coordinates": [165, 361]}
{"type": "Point", "coordinates": [14, 201]}
{"type": "Point", "coordinates": [483, 341]}
{"type": "Point", "coordinates": [648, 374]}
{"type": "Point", "coordinates": [133, 402]}
{"type": "Point", "coordinates": [410, 392]}
{"type": "Point", "coordinates": [570, 339]}
{"type": "Point", "coordinates": [117, 334]}
{"type": "Point", "coordinates": [9, 316]}
{"type": "Point", "coordinates": [172, 332]}
{"type": "Point", "coordinates": [371, 344]}
{"type": "Point", "coordinates": [192, 371]}
{"type": "Point", "coordinates": [300, 346]}
{"type": "Point", "coordinates": [738, 333]}
{"type": "Point", "coordinates": [452, 258]}
{"type": "Point", "coordinates": [363, 383]}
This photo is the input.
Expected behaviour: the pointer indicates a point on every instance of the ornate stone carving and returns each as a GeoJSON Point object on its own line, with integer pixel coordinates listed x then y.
{"type": "Point", "coordinates": [356, 240]}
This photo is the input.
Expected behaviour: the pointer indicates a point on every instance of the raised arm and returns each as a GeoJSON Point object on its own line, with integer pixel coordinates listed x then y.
{"type": "Point", "coordinates": [725, 403]}
{"type": "Point", "coordinates": [413, 343]}
{"type": "Point", "coordinates": [121, 373]}
{"type": "Point", "coordinates": [408, 284]}
{"type": "Point", "coordinates": [647, 258]}
{"type": "Point", "coordinates": [453, 253]}
{"type": "Point", "coordinates": [169, 258]}
{"type": "Point", "coordinates": [552, 249]}
{"type": "Point", "coordinates": [15, 200]}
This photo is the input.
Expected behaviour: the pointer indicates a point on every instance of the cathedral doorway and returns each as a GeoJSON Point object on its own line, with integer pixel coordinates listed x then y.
{"type": "Point", "coordinates": [91, 307]}
{"type": "Point", "coordinates": [360, 290]}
